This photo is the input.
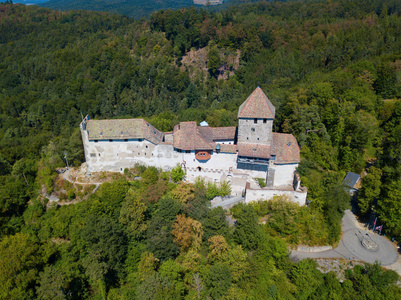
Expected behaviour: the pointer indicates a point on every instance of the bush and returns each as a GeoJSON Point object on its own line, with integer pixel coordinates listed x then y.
{"type": "Point", "coordinates": [177, 174]}
{"type": "Point", "coordinates": [71, 194]}
{"type": "Point", "coordinates": [261, 182]}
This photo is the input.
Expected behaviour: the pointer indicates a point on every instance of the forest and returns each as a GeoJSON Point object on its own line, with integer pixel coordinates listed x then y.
{"type": "Point", "coordinates": [332, 69]}
{"type": "Point", "coordinates": [132, 8]}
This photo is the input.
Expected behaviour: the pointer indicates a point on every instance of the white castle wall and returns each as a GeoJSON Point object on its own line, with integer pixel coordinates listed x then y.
{"type": "Point", "coordinates": [266, 194]}
{"type": "Point", "coordinates": [117, 155]}
{"type": "Point", "coordinates": [284, 174]}
{"type": "Point", "coordinates": [255, 133]}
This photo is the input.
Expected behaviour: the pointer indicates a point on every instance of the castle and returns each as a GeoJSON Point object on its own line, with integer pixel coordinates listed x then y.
{"type": "Point", "coordinates": [237, 154]}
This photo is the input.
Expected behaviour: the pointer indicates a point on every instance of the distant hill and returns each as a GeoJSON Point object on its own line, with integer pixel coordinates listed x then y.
{"type": "Point", "coordinates": [132, 8]}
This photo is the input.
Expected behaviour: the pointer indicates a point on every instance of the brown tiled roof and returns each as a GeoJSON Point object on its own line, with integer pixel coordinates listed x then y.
{"type": "Point", "coordinates": [188, 137]}
{"type": "Point", "coordinates": [223, 133]}
{"type": "Point", "coordinates": [211, 134]}
{"type": "Point", "coordinates": [285, 147]}
{"type": "Point", "coordinates": [257, 106]}
{"type": "Point", "coordinates": [254, 150]}
{"type": "Point", "coordinates": [227, 148]}
{"type": "Point", "coordinates": [123, 129]}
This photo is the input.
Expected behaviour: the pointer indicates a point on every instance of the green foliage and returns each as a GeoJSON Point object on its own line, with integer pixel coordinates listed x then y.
{"type": "Point", "coordinates": [247, 232]}
{"type": "Point", "coordinates": [218, 280]}
{"type": "Point", "coordinates": [370, 190]}
{"type": "Point", "coordinates": [306, 277]}
{"type": "Point", "coordinates": [213, 60]}
{"type": "Point", "coordinates": [105, 245]}
{"type": "Point", "coordinates": [222, 189]}
{"type": "Point", "coordinates": [261, 182]}
{"type": "Point", "coordinates": [177, 173]}
{"type": "Point", "coordinates": [20, 258]}
{"type": "Point", "coordinates": [335, 89]}
{"type": "Point", "coordinates": [215, 223]}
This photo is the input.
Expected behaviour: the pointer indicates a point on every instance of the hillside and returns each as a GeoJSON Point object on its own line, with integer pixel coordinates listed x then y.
{"type": "Point", "coordinates": [332, 70]}
{"type": "Point", "coordinates": [132, 8]}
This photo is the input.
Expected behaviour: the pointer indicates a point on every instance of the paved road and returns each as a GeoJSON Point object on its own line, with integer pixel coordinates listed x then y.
{"type": "Point", "coordinates": [350, 246]}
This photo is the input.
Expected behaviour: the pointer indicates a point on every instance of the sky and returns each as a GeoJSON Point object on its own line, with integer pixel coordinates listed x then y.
{"type": "Point", "coordinates": [29, 2]}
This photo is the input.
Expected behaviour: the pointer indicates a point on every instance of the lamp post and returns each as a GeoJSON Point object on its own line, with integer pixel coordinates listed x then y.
{"type": "Point", "coordinates": [309, 202]}
{"type": "Point", "coordinates": [65, 156]}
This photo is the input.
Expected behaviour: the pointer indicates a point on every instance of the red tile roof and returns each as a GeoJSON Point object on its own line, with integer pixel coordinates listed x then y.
{"type": "Point", "coordinates": [254, 150]}
{"type": "Point", "coordinates": [187, 137]}
{"type": "Point", "coordinates": [123, 129]}
{"type": "Point", "coordinates": [223, 133]}
{"type": "Point", "coordinates": [285, 147]}
{"type": "Point", "coordinates": [257, 106]}
{"type": "Point", "coordinates": [227, 148]}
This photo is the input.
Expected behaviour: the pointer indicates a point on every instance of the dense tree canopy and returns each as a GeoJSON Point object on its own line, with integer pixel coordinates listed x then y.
{"type": "Point", "coordinates": [331, 68]}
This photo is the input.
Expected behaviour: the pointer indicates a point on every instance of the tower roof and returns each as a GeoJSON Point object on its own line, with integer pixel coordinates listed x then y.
{"type": "Point", "coordinates": [257, 106]}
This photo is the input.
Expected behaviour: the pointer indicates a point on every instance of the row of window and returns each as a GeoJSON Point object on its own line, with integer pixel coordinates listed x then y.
{"type": "Point", "coordinates": [94, 154]}
{"type": "Point", "coordinates": [125, 140]}
{"type": "Point", "coordinates": [255, 121]}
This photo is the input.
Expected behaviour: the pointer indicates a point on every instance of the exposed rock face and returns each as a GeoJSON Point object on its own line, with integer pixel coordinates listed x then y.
{"type": "Point", "coordinates": [196, 60]}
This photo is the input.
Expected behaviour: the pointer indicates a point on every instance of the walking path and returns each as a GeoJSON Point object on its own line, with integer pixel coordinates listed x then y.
{"type": "Point", "coordinates": [351, 246]}
{"type": "Point", "coordinates": [66, 176]}
{"type": "Point", "coordinates": [226, 202]}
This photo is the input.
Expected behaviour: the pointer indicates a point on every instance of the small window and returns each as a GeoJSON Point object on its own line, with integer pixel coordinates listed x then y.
{"type": "Point", "coordinates": [146, 146]}
{"type": "Point", "coordinates": [125, 140]}
{"type": "Point", "coordinates": [93, 155]}
{"type": "Point", "coordinates": [122, 133]}
{"type": "Point", "coordinates": [247, 138]}
{"type": "Point", "coordinates": [110, 140]}
{"type": "Point", "coordinates": [99, 154]}
{"type": "Point", "coordinates": [253, 129]}
{"type": "Point", "coordinates": [265, 121]}
{"type": "Point", "coordinates": [255, 121]}
{"type": "Point", "coordinates": [257, 139]}
{"type": "Point", "coordinates": [187, 151]}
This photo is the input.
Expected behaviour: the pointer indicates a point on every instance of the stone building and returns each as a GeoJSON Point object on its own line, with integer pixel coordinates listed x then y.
{"type": "Point", "coordinates": [237, 154]}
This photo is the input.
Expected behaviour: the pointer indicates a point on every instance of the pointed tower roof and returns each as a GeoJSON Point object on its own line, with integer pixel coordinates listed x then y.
{"type": "Point", "coordinates": [257, 106]}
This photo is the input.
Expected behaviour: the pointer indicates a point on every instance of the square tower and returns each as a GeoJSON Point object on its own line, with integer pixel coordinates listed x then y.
{"type": "Point", "coordinates": [255, 119]}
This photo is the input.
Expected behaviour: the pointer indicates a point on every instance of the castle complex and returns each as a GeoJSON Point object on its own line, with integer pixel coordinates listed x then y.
{"type": "Point", "coordinates": [237, 154]}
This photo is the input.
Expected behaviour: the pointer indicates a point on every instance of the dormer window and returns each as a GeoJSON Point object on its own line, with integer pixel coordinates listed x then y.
{"type": "Point", "coordinates": [264, 121]}
{"type": "Point", "coordinates": [253, 129]}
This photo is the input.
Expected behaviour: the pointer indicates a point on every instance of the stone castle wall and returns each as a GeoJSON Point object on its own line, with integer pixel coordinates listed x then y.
{"type": "Point", "coordinates": [255, 133]}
